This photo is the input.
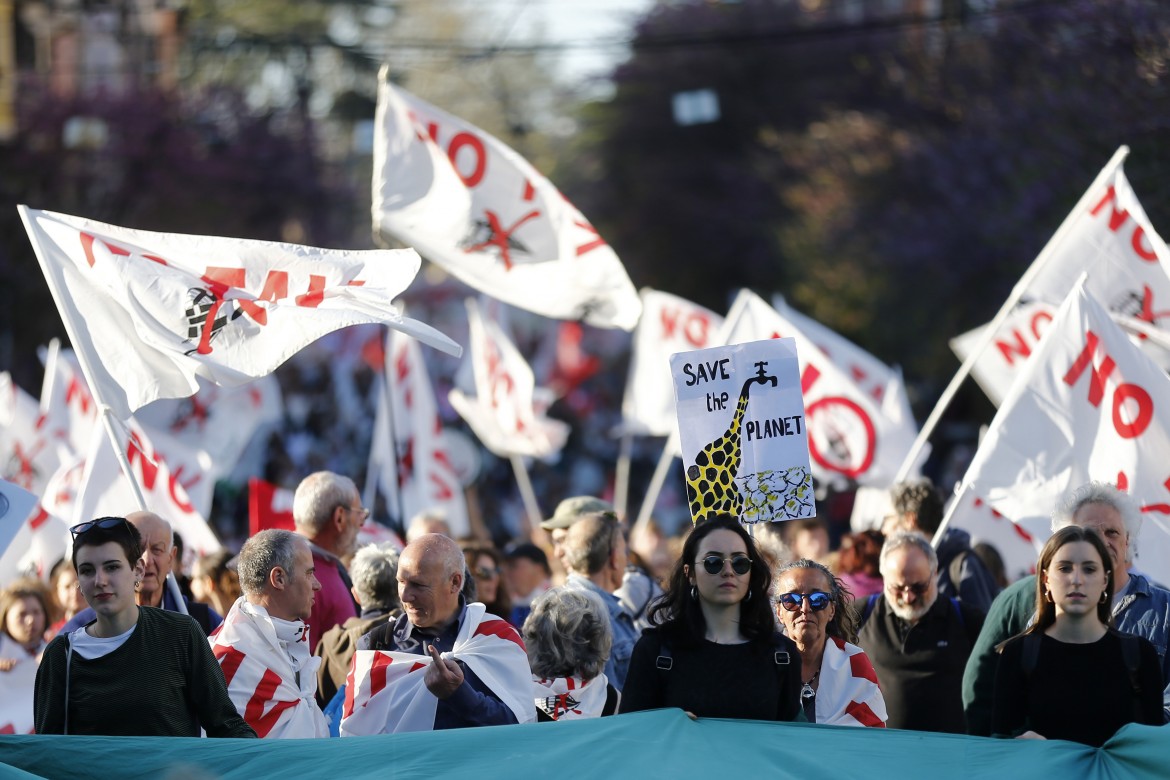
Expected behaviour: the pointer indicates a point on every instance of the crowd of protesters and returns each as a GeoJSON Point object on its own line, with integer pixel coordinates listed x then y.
{"type": "Point", "coordinates": [587, 617]}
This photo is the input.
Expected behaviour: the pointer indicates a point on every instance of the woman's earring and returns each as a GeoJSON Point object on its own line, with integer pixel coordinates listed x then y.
{"type": "Point", "coordinates": [137, 584]}
{"type": "Point", "coordinates": [694, 593]}
{"type": "Point", "coordinates": [1104, 595]}
{"type": "Point", "coordinates": [749, 595]}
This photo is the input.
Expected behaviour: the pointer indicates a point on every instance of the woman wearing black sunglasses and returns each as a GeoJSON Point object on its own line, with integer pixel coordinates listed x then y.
{"type": "Point", "coordinates": [838, 683]}
{"type": "Point", "coordinates": [714, 650]}
{"type": "Point", "coordinates": [134, 671]}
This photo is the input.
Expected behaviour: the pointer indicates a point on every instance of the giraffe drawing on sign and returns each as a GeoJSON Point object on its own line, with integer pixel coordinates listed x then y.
{"type": "Point", "coordinates": [711, 488]}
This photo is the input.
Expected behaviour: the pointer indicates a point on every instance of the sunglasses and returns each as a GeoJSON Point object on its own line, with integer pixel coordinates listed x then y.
{"type": "Point", "coordinates": [486, 573]}
{"type": "Point", "coordinates": [818, 600]}
{"type": "Point", "coordinates": [101, 522]}
{"type": "Point", "coordinates": [740, 564]}
{"type": "Point", "coordinates": [918, 588]}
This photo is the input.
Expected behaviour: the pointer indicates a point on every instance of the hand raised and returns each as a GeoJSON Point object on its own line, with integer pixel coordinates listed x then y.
{"type": "Point", "coordinates": [442, 677]}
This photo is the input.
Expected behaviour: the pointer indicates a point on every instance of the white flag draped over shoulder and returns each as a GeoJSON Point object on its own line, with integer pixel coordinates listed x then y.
{"type": "Point", "coordinates": [385, 692]}
{"type": "Point", "coordinates": [474, 206]}
{"type": "Point", "coordinates": [669, 324]}
{"type": "Point", "coordinates": [1089, 406]}
{"type": "Point", "coordinates": [407, 448]}
{"type": "Point", "coordinates": [148, 312]}
{"type": "Point", "coordinates": [849, 436]}
{"type": "Point", "coordinates": [504, 413]}
{"type": "Point", "coordinates": [106, 491]}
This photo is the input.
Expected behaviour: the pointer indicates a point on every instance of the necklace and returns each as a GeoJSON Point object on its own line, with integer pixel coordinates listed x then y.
{"type": "Point", "coordinates": [806, 690]}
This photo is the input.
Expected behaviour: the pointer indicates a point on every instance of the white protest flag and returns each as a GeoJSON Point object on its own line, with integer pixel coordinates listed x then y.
{"type": "Point", "coordinates": [147, 312]}
{"type": "Point", "coordinates": [219, 421]}
{"type": "Point", "coordinates": [1085, 408]}
{"type": "Point", "coordinates": [407, 451]}
{"type": "Point", "coordinates": [31, 448]}
{"type": "Point", "coordinates": [1109, 237]}
{"type": "Point", "coordinates": [1004, 359]}
{"type": "Point", "coordinates": [67, 403]}
{"type": "Point", "coordinates": [504, 412]}
{"type": "Point", "coordinates": [669, 324]}
{"type": "Point", "coordinates": [849, 436]}
{"type": "Point", "coordinates": [106, 490]}
{"type": "Point", "coordinates": [1018, 548]}
{"type": "Point", "coordinates": [871, 375]}
{"type": "Point", "coordinates": [478, 209]}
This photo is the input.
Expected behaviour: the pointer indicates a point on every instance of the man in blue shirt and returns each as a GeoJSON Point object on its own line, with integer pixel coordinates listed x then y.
{"type": "Point", "coordinates": [594, 552]}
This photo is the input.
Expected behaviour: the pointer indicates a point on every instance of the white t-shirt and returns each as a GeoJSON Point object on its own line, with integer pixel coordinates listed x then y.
{"type": "Point", "coordinates": [91, 647]}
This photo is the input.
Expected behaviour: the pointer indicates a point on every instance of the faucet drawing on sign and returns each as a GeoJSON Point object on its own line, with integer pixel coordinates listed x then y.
{"type": "Point", "coordinates": [711, 488]}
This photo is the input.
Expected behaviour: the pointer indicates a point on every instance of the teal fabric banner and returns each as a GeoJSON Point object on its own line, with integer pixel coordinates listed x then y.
{"type": "Point", "coordinates": [664, 743]}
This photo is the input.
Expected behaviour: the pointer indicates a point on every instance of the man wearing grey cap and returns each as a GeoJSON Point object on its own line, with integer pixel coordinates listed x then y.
{"type": "Point", "coordinates": [568, 512]}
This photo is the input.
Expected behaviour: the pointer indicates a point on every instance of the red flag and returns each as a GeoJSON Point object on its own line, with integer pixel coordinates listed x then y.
{"type": "Point", "coordinates": [269, 506]}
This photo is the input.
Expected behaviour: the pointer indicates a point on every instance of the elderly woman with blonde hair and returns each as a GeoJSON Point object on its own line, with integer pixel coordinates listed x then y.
{"type": "Point", "coordinates": [568, 638]}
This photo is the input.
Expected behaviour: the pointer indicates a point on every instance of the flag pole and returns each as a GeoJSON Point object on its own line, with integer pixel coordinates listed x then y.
{"type": "Point", "coordinates": [52, 354]}
{"type": "Point", "coordinates": [656, 482]}
{"type": "Point", "coordinates": [621, 480]}
{"type": "Point", "coordinates": [526, 493]}
{"type": "Point", "coordinates": [989, 332]}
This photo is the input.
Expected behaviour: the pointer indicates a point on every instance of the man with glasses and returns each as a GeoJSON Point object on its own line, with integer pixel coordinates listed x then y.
{"type": "Point", "coordinates": [918, 643]}
{"type": "Point", "coordinates": [594, 552]}
{"type": "Point", "coordinates": [328, 511]}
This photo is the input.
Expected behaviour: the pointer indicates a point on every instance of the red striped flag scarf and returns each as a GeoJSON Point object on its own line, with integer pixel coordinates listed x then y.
{"type": "Point", "coordinates": [385, 692]}
{"type": "Point", "coordinates": [261, 657]}
{"type": "Point", "coordinates": [848, 694]}
{"type": "Point", "coordinates": [570, 698]}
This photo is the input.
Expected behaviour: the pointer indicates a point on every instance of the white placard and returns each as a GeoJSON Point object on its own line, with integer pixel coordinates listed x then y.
{"type": "Point", "coordinates": [742, 427]}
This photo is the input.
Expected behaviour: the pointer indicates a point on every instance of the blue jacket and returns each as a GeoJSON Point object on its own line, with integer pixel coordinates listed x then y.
{"type": "Point", "coordinates": [625, 634]}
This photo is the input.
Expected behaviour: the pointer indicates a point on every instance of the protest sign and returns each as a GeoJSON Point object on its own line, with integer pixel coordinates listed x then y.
{"type": "Point", "coordinates": [742, 427]}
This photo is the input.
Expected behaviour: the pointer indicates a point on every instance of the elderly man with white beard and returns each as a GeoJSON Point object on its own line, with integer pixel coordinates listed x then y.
{"type": "Point", "coordinates": [918, 643]}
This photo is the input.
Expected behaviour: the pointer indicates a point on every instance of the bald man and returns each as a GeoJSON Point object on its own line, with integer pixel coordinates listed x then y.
{"type": "Point", "coordinates": [158, 556]}
{"type": "Point", "coordinates": [430, 578]}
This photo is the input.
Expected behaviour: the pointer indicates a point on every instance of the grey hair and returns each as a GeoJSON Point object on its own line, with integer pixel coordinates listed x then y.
{"type": "Point", "coordinates": [567, 634]}
{"type": "Point", "coordinates": [264, 552]}
{"type": "Point", "coordinates": [374, 571]}
{"type": "Point", "coordinates": [1107, 495]}
{"type": "Point", "coordinates": [317, 496]}
{"type": "Point", "coordinates": [589, 542]}
{"type": "Point", "coordinates": [845, 618]}
{"type": "Point", "coordinates": [908, 539]}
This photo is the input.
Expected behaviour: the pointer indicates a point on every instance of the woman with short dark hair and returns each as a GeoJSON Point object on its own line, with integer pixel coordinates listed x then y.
{"type": "Point", "coordinates": [714, 650]}
{"type": "Point", "coordinates": [133, 671]}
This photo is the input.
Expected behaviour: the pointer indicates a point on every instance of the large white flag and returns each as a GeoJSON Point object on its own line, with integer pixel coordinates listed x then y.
{"type": "Point", "coordinates": [1018, 548]}
{"type": "Point", "coordinates": [1089, 406]}
{"type": "Point", "coordinates": [1110, 238]}
{"type": "Point", "coordinates": [505, 412]}
{"type": "Point", "coordinates": [848, 434]}
{"type": "Point", "coordinates": [106, 490]}
{"type": "Point", "coordinates": [413, 469]}
{"type": "Point", "coordinates": [669, 324]}
{"type": "Point", "coordinates": [31, 446]}
{"type": "Point", "coordinates": [474, 206]}
{"type": "Point", "coordinates": [148, 312]}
